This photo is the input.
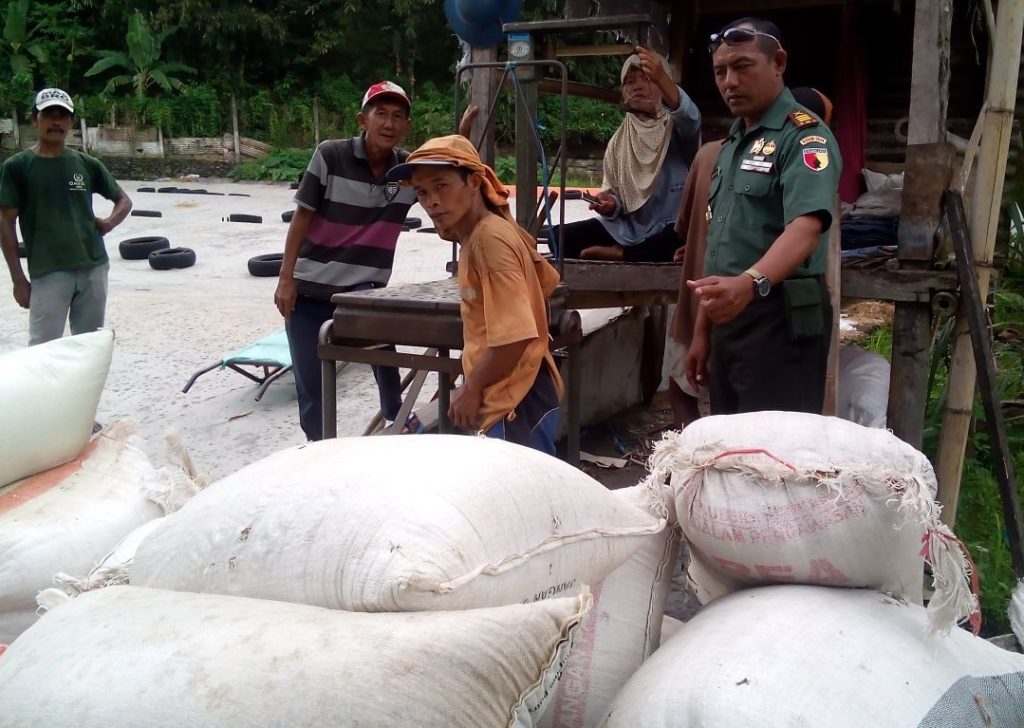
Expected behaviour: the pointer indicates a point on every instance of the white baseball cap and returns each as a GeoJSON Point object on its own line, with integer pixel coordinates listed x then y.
{"type": "Point", "coordinates": [54, 97]}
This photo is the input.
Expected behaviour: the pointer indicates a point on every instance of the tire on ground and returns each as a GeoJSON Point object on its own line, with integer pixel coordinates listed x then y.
{"type": "Point", "coordinates": [171, 258]}
{"type": "Point", "coordinates": [266, 266]}
{"type": "Point", "coordinates": [287, 215]}
{"type": "Point", "coordinates": [242, 217]}
{"type": "Point", "coordinates": [167, 189]}
{"type": "Point", "coordinates": [140, 248]}
{"type": "Point", "coordinates": [147, 213]}
{"type": "Point", "coordinates": [413, 222]}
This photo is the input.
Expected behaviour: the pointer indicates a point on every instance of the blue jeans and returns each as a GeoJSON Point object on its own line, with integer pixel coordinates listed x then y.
{"type": "Point", "coordinates": [536, 418]}
{"type": "Point", "coordinates": [303, 331]}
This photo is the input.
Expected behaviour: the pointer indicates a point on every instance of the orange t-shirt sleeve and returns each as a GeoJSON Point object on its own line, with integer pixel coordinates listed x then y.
{"type": "Point", "coordinates": [508, 316]}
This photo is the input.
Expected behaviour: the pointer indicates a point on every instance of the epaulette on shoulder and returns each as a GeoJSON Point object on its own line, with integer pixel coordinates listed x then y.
{"type": "Point", "coordinates": [802, 119]}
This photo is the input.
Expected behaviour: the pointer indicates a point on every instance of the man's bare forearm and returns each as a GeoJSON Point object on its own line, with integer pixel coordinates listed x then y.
{"type": "Point", "coordinates": [496, 363]}
{"type": "Point", "coordinates": [9, 243]}
{"type": "Point", "coordinates": [122, 206]}
{"type": "Point", "coordinates": [297, 230]}
{"type": "Point", "coordinates": [797, 242]}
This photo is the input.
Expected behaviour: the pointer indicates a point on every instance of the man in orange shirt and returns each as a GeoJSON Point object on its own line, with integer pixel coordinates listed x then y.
{"type": "Point", "coordinates": [511, 387]}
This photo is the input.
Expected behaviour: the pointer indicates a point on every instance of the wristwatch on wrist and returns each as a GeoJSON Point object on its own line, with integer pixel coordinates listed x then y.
{"type": "Point", "coordinates": [762, 286]}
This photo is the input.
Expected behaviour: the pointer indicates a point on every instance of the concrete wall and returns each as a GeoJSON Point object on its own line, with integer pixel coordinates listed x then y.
{"type": "Point", "coordinates": [611, 355]}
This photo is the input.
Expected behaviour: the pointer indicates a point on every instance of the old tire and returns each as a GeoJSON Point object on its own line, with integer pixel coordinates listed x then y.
{"type": "Point", "coordinates": [147, 213]}
{"type": "Point", "coordinates": [241, 217]}
{"type": "Point", "coordinates": [146, 189]}
{"type": "Point", "coordinates": [171, 258]}
{"type": "Point", "coordinates": [167, 189]}
{"type": "Point", "coordinates": [287, 215]}
{"type": "Point", "coordinates": [140, 248]}
{"type": "Point", "coordinates": [266, 266]}
{"type": "Point", "coordinates": [413, 222]}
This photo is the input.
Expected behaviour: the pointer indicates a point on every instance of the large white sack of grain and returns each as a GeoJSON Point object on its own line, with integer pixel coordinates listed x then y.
{"type": "Point", "coordinates": [396, 524]}
{"type": "Point", "coordinates": [779, 497]}
{"type": "Point", "coordinates": [48, 399]}
{"type": "Point", "coordinates": [863, 388]}
{"type": "Point", "coordinates": [1016, 612]}
{"type": "Point", "coordinates": [622, 629]}
{"type": "Point", "coordinates": [783, 656]}
{"type": "Point", "coordinates": [68, 518]}
{"type": "Point", "coordinates": [129, 656]}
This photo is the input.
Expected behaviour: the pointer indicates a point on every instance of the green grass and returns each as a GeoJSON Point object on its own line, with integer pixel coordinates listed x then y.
{"type": "Point", "coordinates": [979, 522]}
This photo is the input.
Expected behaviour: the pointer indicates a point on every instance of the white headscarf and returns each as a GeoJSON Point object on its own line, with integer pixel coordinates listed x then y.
{"type": "Point", "coordinates": [637, 150]}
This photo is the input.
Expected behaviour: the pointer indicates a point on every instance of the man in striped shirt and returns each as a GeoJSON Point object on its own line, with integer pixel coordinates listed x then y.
{"type": "Point", "coordinates": [342, 238]}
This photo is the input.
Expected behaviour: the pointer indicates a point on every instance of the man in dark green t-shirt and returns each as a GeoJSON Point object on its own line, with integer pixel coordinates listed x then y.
{"type": "Point", "coordinates": [48, 189]}
{"type": "Point", "coordinates": [763, 324]}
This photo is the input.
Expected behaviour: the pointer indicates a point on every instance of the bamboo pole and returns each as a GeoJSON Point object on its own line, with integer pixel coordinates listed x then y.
{"type": "Point", "coordinates": [984, 220]}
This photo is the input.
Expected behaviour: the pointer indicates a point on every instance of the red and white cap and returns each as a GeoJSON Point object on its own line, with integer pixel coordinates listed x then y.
{"type": "Point", "coordinates": [386, 89]}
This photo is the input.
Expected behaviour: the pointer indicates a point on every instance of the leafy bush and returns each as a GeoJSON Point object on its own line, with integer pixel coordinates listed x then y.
{"type": "Point", "coordinates": [280, 165]}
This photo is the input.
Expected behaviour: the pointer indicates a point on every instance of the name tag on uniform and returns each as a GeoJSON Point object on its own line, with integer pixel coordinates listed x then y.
{"type": "Point", "coordinates": [754, 165]}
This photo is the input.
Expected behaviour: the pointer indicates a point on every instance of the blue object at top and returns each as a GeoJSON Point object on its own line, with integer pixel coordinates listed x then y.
{"type": "Point", "coordinates": [478, 22]}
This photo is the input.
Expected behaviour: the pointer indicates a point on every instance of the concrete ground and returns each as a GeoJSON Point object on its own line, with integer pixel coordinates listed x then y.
{"type": "Point", "coordinates": [169, 324]}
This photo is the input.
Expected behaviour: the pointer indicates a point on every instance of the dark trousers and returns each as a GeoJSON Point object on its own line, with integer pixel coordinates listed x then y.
{"type": "Point", "coordinates": [658, 248]}
{"type": "Point", "coordinates": [536, 417]}
{"type": "Point", "coordinates": [303, 331]}
{"type": "Point", "coordinates": [755, 364]}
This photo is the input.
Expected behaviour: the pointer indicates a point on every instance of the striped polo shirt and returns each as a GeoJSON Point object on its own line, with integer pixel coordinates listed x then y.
{"type": "Point", "coordinates": [351, 239]}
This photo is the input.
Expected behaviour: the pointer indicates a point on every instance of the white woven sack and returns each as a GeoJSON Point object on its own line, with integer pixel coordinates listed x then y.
{"type": "Point", "coordinates": [779, 497]}
{"type": "Point", "coordinates": [1016, 612]}
{"type": "Point", "coordinates": [622, 629]}
{"type": "Point", "coordinates": [128, 656]}
{"type": "Point", "coordinates": [783, 656]}
{"type": "Point", "coordinates": [396, 524]}
{"type": "Point", "coordinates": [48, 399]}
{"type": "Point", "coordinates": [863, 388]}
{"type": "Point", "coordinates": [69, 518]}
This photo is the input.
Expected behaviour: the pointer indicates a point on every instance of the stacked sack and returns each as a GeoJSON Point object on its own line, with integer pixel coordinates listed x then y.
{"type": "Point", "coordinates": [385, 581]}
{"type": "Point", "coordinates": [841, 519]}
{"type": "Point", "coordinates": [66, 498]}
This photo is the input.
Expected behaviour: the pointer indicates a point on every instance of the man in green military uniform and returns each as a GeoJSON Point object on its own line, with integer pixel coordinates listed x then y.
{"type": "Point", "coordinates": [762, 332]}
{"type": "Point", "coordinates": [48, 190]}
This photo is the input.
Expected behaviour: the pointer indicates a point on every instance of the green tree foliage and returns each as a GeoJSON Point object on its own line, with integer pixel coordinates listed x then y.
{"type": "Point", "coordinates": [22, 49]}
{"type": "Point", "coordinates": [143, 62]}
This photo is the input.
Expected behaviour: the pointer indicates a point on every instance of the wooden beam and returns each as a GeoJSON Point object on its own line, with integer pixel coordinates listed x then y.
{"type": "Point", "coordinates": [582, 90]}
{"type": "Point", "coordinates": [580, 51]}
{"type": "Point", "coordinates": [906, 286]}
{"type": "Point", "coordinates": [483, 86]}
{"type": "Point", "coordinates": [602, 22]}
{"type": "Point", "coordinates": [911, 346]}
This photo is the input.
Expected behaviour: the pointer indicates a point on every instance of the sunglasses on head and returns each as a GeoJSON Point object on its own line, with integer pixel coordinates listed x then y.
{"type": "Point", "coordinates": [737, 36]}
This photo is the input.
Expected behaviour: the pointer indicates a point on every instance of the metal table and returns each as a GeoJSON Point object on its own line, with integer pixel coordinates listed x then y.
{"type": "Point", "coordinates": [427, 315]}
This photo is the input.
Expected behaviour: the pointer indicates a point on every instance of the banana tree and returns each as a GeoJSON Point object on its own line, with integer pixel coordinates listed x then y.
{"type": "Point", "coordinates": [142, 66]}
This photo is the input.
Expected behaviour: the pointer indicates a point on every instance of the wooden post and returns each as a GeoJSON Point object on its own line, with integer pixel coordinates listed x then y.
{"type": "Point", "coordinates": [986, 201]}
{"type": "Point", "coordinates": [234, 129]}
{"type": "Point", "coordinates": [527, 155]}
{"type": "Point", "coordinates": [85, 133]}
{"type": "Point", "coordinates": [160, 140]}
{"type": "Point", "coordinates": [483, 87]}
{"type": "Point", "coordinates": [920, 217]}
{"type": "Point", "coordinates": [316, 120]}
{"type": "Point", "coordinates": [16, 129]}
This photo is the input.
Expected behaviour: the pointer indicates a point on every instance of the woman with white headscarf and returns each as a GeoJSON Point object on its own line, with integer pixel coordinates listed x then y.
{"type": "Point", "coordinates": [645, 167]}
